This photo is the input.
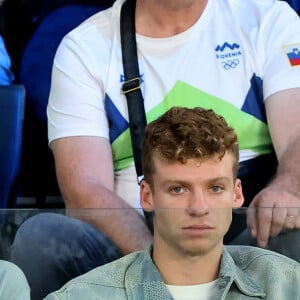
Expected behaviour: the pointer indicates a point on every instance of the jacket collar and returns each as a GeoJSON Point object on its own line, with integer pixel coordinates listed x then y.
{"type": "Point", "coordinates": [143, 280]}
{"type": "Point", "coordinates": [230, 273]}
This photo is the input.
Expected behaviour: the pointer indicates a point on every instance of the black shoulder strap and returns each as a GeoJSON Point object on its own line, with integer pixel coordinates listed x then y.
{"type": "Point", "coordinates": [131, 87]}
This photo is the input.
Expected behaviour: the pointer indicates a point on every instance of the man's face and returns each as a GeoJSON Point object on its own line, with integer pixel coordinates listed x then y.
{"type": "Point", "coordinates": [192, 203]}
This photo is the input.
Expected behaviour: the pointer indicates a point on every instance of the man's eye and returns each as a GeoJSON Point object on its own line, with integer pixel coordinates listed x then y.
{"type": "Point", "coordinates": [176, 190]}
{"type": "Point", "coordinates": [216, 189]}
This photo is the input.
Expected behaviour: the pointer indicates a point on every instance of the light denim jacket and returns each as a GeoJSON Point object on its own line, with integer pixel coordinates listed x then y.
{"type": "Point", "coordinates": [246, 273]}
{"type": "Point", "coordinates": [13, 284]}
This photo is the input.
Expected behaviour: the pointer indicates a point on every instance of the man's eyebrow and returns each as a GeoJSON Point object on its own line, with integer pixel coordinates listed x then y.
{"type": "Point", "coordinates": [184, 182]}
{"type": "Point", "coordinates": [221, 178]}
{"type": "Point", "coordinates": [174, 181]}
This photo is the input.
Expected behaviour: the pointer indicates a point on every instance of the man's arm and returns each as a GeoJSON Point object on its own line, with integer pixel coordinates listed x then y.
{"type": "Point", "coordinates": [282, 195]}
{"type": "Point", "coordinates": [85, 174]}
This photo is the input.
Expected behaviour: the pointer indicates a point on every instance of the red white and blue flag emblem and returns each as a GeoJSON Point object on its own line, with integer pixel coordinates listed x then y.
{"type": "Point", "coordinates": [293, 54]}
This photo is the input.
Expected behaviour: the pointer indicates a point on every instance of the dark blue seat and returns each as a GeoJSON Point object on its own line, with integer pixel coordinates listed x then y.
{"type": "Point", "coordinates": [12, 103]}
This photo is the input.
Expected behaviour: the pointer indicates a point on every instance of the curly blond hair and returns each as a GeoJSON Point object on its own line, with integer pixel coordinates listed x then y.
{"type": "Point", "coordinates": [182, 133]}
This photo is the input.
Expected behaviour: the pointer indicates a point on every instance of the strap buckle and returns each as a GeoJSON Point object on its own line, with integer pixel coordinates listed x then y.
{"type": "Point", "coordinates": [140, 179]}
{"type": "Point", "coordinates": [131, 85]}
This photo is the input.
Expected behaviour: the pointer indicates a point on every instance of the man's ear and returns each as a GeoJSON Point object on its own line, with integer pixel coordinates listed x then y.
{"type": "Point", "coordinates": [146, 197]}
{"type": "Point", "coordinates": [238, 194]}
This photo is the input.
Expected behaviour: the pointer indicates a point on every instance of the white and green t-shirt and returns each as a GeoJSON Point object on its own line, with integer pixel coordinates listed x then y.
{"type": "Point", "coordinates": [231, 60]}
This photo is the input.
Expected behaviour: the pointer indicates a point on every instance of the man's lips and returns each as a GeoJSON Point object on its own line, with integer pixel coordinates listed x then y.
{"type": "Point", "coordinates": [198, 229]}
{"type": "Point", "coordinates": [198, 226]}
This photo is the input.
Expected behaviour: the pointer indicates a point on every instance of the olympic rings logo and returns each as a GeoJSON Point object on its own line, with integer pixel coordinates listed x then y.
{"type": "Point", "coordinates": [230, 64]}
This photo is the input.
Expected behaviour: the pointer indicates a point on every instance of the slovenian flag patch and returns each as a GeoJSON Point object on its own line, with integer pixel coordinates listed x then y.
{"type": "Point", "coordinates": [293, 54]}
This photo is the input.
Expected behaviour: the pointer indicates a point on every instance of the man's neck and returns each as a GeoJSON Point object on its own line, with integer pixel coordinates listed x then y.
{"type": "Point", "coordinates": [183, 269]}
{"type": "Point", "coordinates": [165, 18]}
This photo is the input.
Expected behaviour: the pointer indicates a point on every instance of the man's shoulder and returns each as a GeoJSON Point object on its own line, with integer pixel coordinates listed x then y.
{"type": "Point", "coordinates": [249, 256]}
{"type": "Point", "coordinates": [107, 281]}
{"type": "Point", "coordinates": [10, 271]}
{"type": "Point", "coordinates": [256, 270]}
{"type": "Point", "coordinates": [104, 21]}
{"type": "Point", "coordinates": [109, 274]}
{"type": "Point", "coordinates": [258, 11]}
{"type": "Point", "coordinates": [13, 283]}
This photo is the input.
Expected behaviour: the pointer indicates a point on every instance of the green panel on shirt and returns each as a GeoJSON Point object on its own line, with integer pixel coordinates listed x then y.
{"type": "Point", "coordinates": [252, 133]}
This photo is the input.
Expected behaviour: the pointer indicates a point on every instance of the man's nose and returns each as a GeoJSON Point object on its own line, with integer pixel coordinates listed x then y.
{"type": "Point", "coordinates": [197, 204]}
